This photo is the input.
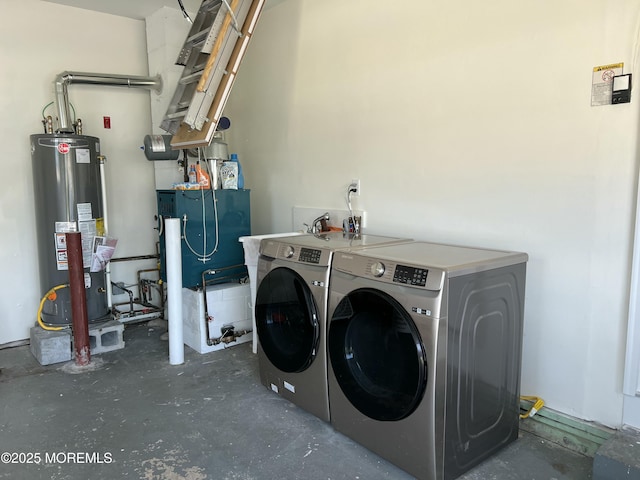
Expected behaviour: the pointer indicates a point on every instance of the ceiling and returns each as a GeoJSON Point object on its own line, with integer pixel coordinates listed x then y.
{"type": "Point", "coordinates": [139, 9]}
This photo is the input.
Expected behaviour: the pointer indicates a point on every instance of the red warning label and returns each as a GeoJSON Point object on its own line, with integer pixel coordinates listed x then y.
{"type": "Point", "coordinates": [63, 148]}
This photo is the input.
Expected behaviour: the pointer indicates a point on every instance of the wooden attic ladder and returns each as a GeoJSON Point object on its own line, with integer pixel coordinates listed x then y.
{"type": "Point", "coordinates": [211, 56]}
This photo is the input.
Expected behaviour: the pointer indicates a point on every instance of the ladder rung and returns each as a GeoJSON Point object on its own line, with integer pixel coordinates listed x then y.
{"type": "Point", "coordinates": [192, 78]}
{"type": "Point", "coordinates": [198, 37]}
{"type": "Point", "coordinates": [189, 105]}
{"type": "Point", "coordinates": [178, 114]}
{"type": "Point", "coordinates": [183, 58]}
{"type": "Point", "coordinates": [208, 5]}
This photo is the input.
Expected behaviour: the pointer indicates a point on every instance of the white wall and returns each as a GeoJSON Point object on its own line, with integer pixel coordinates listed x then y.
{"type": "Point", "coordinates": [38, 40]}
{"type": "Point", "coordinates": [470, 123]}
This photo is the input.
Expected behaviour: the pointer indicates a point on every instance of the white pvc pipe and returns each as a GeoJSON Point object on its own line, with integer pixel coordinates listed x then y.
{"type": "Point", "coordinates": [174, 289]}
{"type": "Point", "coordinates": [105, 222]}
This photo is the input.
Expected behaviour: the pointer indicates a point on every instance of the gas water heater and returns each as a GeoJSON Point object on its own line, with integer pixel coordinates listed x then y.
{"type": "Point", "coordinates": [67, 187]}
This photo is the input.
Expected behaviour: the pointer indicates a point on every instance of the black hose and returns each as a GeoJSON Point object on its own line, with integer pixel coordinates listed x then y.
{"type": "Point", "coordinates": [184, 12]}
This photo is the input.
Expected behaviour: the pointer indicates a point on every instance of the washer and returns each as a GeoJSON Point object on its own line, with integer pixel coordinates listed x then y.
{"type": "Point", "coordinates": [425, 342]}
{"type": "Point", "coordinates": [290, 311]}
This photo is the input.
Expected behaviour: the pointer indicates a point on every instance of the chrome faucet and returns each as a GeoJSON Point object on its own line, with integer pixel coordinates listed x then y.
{"type": "Point", "coordinates": [314, 228]}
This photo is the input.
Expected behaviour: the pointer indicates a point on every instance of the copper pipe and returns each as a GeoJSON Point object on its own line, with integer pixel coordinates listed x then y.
{"type": "Point", "coordinates": [138, 257]}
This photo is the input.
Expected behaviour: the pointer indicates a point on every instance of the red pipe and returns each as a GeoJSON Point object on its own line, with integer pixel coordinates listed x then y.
{"type": "Point", "coordinates": [79, 316]}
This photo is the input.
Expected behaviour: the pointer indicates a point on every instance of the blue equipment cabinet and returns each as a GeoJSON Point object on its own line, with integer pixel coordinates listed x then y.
{"type": "Point", "coordinates": [225, 224]}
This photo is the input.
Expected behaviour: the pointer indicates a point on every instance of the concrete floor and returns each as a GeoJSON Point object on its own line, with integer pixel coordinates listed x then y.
{"type": "Point", "coordinates": [135, 416]}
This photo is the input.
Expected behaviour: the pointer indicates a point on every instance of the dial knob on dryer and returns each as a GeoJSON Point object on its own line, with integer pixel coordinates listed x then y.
{"type": "Point", "coordinates": [377, 269]}
{"type": "Point", "coordinates": [289, 251]}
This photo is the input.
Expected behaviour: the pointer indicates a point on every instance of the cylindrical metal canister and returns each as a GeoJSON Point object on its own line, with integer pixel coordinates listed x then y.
{"type": "Point", "coordinates": [158, 147]}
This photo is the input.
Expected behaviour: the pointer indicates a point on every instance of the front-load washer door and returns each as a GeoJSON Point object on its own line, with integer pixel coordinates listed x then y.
{"type": "Point", "coordinates": [377, 355]}
{"type": "Point", "coordinates": [287, 320]}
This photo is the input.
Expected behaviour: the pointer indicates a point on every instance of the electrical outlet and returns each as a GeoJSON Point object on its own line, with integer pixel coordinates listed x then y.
{"type": "Point", "coordinates": [355, 184]}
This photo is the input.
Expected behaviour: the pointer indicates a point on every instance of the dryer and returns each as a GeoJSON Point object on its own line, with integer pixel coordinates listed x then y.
{"type": "Point", "coordinates": [424, 346]}
{"type": "Point", "coordinates": [290, 310]}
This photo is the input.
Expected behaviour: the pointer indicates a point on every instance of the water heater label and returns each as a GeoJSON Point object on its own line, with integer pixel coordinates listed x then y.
{"type": "Point", "coordinates": [84, 212]}
{"type": "Point", "coordinates": [83, 155]}
{"type": "Point", "coordinates": [60, 241]}
{"type": "Point", "coordinates": [88, 230]}
{"type": "Point", "coordinates": [61, 260]}
{"type": "Point", "coordinates": [63, 227]}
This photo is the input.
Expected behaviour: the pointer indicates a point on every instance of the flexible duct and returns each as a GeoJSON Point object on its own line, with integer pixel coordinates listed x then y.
{"type": "Point", "coordinates": [64, 79]}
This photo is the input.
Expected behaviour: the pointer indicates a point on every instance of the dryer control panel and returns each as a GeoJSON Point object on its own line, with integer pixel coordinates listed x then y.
{"type": "Point", "coordinates": [385, 270]}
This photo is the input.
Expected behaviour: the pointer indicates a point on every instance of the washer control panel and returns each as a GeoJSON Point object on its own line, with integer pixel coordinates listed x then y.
{"type": "Point", "coordinates": [410, 275]}
{"type": "Point", "coordinates": [310, 255]}
{"type": "Point", "coordinates": [276, 249]}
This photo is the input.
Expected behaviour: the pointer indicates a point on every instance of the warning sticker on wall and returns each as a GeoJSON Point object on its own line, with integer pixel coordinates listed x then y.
{"type": "Point", "coordinates": [602, 83]}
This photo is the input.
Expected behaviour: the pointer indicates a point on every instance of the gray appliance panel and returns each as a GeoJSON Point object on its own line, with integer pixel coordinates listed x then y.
{"type": "Point", "coordinates": [317, 249]}
{"type": "Point", "coordinates": [452, 259]}
{"type": "Point", "coordinates": [364, 265]}
{"type": "Point", "coordinates": [412, 443]}
{"type": "Point", "coordinates": [339, 240]}
{"type": "Point", "coordinates": [307, 389]}
{"type": "Point", "coordinates": [484, 350]}
{"type": "Point", "coordinates": [474, 341]}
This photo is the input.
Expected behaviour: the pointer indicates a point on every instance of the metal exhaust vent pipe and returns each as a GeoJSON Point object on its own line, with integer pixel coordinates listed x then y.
{"type": "Point", "coordinates": [66, 78]}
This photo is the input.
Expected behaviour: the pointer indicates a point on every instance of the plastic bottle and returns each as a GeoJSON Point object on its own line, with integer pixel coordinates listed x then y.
{"type": "Point", "coordinates": [234, 158]}
{"type": "Point", "coordinates": [193, 177]}
{"type": "Point", "coordinates": [202, 177]}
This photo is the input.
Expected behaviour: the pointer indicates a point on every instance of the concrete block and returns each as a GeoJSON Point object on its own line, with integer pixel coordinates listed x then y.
{"type": "Point", "coordinates": [618, 457]}
{"type": "Point", "coordinates": [106, 337]}
{"type": "Point", "coordinates": [50, 346]}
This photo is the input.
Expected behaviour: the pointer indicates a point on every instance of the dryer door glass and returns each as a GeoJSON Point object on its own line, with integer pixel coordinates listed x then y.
{"type": "Point", "coordinates": [287, 320]}
{"type": "Point", "coordinates": [377, 355]}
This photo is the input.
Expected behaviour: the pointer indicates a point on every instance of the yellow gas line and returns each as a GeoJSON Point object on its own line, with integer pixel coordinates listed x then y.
{"type": "Point", "coordinates": [50, 295]}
